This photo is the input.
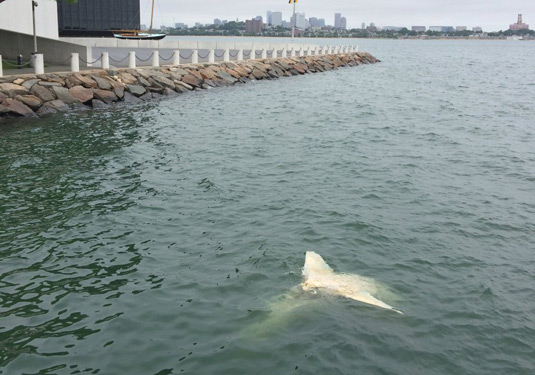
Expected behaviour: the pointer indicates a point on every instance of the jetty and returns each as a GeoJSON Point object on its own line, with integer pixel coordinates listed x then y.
{"type": "Point", "coordinates": [36, 95]}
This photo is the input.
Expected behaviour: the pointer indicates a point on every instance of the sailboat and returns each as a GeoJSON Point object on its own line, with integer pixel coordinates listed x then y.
{"type": "Point", "coordinates": [138, 34]}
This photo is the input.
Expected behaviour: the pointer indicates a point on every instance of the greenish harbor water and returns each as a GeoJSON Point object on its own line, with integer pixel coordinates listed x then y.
{"type": "Point", "coordinates": [168, 238]}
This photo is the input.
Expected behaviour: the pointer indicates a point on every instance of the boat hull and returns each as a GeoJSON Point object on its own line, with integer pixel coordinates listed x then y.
{"type": "Point", "coordinates": [140, 37]}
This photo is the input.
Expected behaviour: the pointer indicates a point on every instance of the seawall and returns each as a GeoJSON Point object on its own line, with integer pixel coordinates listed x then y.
{"type": "Point", "coordinates": [32, 95]}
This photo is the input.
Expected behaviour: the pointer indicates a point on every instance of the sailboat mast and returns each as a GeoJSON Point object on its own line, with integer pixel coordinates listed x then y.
{"type": "Point", "coordinates": [151, 17]}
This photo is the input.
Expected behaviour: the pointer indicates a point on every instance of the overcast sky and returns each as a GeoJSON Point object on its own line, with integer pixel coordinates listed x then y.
{"type": "Point", "coordinates": [492, 15]}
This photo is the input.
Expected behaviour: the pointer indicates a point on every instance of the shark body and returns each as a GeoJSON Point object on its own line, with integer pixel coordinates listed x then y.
{"type": "Point", "coordinates": [318, 276]}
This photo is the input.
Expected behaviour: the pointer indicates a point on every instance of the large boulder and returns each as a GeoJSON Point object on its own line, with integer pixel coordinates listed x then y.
{"type": "Point", "coordinates": [63, 94]}
{"type": "Point", "coordinates": [42, 93]}
{"type": "Point", "coordinates": [81, 94]}
{"type": "Point", "coordinates": [31, 101]}
{"type": "Point", "coordinates": [85, 81]}
{"type": "Point", "coordinates": [17, 108]}
{"type": "Point", "coordinates": [106, 96]}
{"type": "Point", "coordinates": [12, 90]}
{"type": "Point", "coordinates": [192, 80]}
{"type": "Point", "coordinates": [102, 83]}
{"type": "Point", "coordinates": [53, 106]}
{"type": "Point", "coordinates": [136, 90]}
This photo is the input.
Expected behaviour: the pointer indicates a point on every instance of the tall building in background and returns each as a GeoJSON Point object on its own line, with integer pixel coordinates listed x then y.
{"type": "Point", "coordinates": [337, 20]}
{"type": "Point", "coordinates": [253, 26]}
{"type": "Point", "coordinates": [276, 18]}
{"type": "Point", "coordinates": [269, 18]}
{"type": "Point", "coordinates": [97, 17]}
{"type": "Point", "coordinates": [519, 25]}
{"type": "Point", "coordinates": [343, 23]}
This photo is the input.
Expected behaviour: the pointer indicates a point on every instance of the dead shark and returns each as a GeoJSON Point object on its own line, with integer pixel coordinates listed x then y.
{"type": "Point", "coordinates": [319, 277]}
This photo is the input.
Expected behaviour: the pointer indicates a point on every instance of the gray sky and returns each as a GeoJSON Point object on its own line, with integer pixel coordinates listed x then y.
{"type": "Point", "coordinates": [492, 15]}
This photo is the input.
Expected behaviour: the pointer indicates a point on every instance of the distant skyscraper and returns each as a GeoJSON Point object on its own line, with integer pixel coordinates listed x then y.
{"type": "Point", "coordinates": [337, 20]}
{"type": "Point", "coordinates": [477, 29]}
{"type": "Point", "coordinates": [461, 28]}
{"type": "Point", "coordinates": [343, 23]}
{"type": "Point", "coordinates": [217, 22]}
{"type": "Point", "coordinates": [299, 21]}
{"type": "Point", "coordinates": [419, 29]}
{"type": "Point", "coordinates": [519, 25]}
{"type": "Point", "coordinates": [276, 18]}
{"type": "Point", "coordinates": [363, 26]}
{"type": "Point", "coordinates": [269, 19]}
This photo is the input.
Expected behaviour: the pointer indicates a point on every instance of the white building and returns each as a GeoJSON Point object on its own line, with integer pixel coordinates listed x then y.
{"type": "Point", "coordinates": [276, 18]}
{"type": "Point", "coordinates": [16, 15]}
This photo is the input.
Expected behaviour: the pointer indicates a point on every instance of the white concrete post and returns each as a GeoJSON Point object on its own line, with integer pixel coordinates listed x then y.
{"type": "Point", "coordinates": [89, 55]}
{"type": "Point", "coordinates": [195, 56]}
{"type": "Point", "coordinates": [132, 60]}
{"type": "Point", "coordinates": [105, 60]}
{"type": "Point", "coordinates": [39, 63]}
{"type": "Point", "coordinates": [1, 70]}
{"type": "Point", "coordinates": [75, 62]}
{"type": "Point", "coordinates": [226, 55]}
{"type": "Point", "coordinates": [275, 53]}
{"type": "Point", "coordinates": [284, 52]}
{"type": "Point", "coordinates": [240, 54]}
{"type": "Point", "coordinates": [156, 58]}
{"type": "Point", "coordinates": [309, 51]}
{"type": "Point", "coordinates": [252, 56]}
{"type": "Point", "coordinates": [211, 56]}
{"type": "Point", "coordinates": [356, 48]}
{"type": "Point", "coordinates": [301, 52]}
{"type": "Point", "coordinates": [264, 53]}
{"type": "Point", "coordinates": [176, 57]}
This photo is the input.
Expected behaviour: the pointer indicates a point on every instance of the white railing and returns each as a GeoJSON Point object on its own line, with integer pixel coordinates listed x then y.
{"type": "Point", "coordinates": [211, 56]}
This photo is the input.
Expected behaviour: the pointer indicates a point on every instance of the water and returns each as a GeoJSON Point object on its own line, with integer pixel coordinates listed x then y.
{"type": "Point", "coordinates": [149, 240]}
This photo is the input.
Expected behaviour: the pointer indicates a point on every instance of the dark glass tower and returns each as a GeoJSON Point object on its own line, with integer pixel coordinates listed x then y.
{"type": "Point", "coordinates": [97, 17]}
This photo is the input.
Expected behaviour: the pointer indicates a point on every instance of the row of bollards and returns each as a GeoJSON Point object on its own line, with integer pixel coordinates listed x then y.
{"type": "Point", "coordinates": [38, 59]}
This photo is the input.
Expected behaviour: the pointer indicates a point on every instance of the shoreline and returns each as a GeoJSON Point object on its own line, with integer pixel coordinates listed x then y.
{"type": "Point", "coordinates": [30, 95]}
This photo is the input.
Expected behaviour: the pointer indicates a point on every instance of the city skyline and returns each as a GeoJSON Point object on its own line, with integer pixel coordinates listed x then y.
{"type": "Point", "coordinates": [491, 16]}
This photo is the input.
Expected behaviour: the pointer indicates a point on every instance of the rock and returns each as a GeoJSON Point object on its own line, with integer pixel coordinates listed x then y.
{"type": "Point", "coordinates": [159, 90]}
{"type": "Point", "coordinates": [195, 73]}
{"type": "Point", "coordinates": [17, 108]}
{"type": "Point", "coordinates": [29, 83]}
{"type": "Point", "coordinates": [53, 107]}
{"type": "Point", "coordinates": [207, 73]}
{"type": "Point", "coordinates": [136, 90]}
{"type": "Point", "coordinates": [12, 90]}
{"type": "Point", "coordinates": [127, 78]}
{"type": "Point", "coordinates": [63, 94]}
{"type": "Point", "coordinates": [167, 91]}
{"type": "Point", "coordinates": [106, 96]}
{"type": "Point", "coordinates": [31, 101]}
{"type": "Point", "coordinates": [156, 95]}
{"type": "Point", "coordinates": [146, 96]}
{"type": "Point", "coordinates": [3, 96]}
{"type": "Point", "coordinates": [42, 93]}
{"type": "Point", "coordinates": [81, 94]}
{"type": "Point", "coordinates": [183, 85]}
{"type": "Point", "coordinates": [85, 81]}
{"type": "Point", "coordinates": [131, 99]}
{"type": "Point", "coordinates": [227, 77]}
{"type": "Point", "coordinates": [258, 74]}
{"type": "Point", "coordinates": [165, 82]}
{"type": "Point", "coordinates": [98, 104]}
{"type": "Point", "coordinates": [192, 80]}
{"type": "Point", "coordinates": [18, 81]}
{"type": "Point", "coordinates": [143, 81]}
{"type": "Point", "coordinates": [119, 91]}
{"type": "Point", "coordinates": [102, 83]}
{"type": "Point", "coordinates": [153, 83]}
{"type": "Point", "coordinates": [49, 84]}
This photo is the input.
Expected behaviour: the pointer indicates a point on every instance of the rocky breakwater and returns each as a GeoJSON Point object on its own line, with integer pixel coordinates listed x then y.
{"type": "Point", "coordinates": [39, 95]}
